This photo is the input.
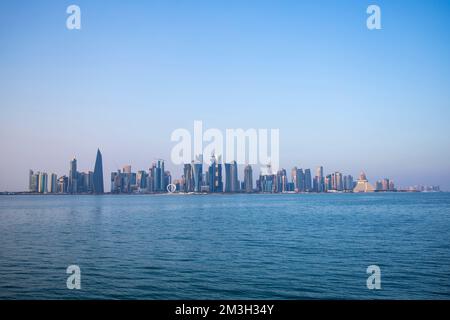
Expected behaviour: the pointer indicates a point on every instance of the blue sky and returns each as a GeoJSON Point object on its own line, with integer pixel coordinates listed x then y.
{"type": "Point", "coordinates": [343, 96]}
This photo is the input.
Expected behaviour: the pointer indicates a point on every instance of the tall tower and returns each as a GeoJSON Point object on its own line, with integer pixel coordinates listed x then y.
{"type": "Point", "coordinates": [234, 177]}
{"type": "Point", "coordinates": [308, 186]}
{"type": "Point", "coordinates": [248, 180]}
{"type": "Point", "coordinates": [73, 177]}
{"type": "Point", "coordinates": [98, 174]}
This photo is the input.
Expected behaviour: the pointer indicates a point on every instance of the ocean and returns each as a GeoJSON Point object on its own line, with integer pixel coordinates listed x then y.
{"type": "Point", "coordinates": [242, 246]}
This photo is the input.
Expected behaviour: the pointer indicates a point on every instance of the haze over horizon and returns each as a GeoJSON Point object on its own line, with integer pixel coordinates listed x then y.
{"type": "Point", "coordinates": [343, 96]}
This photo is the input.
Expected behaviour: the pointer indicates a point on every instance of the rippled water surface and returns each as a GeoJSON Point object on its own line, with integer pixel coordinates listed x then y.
{"type": "Point", "coordinates": [226, 246]}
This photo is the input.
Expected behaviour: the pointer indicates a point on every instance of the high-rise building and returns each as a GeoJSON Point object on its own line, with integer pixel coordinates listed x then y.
{"type": "Point", "coordinates": [267, 183]}
{"type": "Point", "coordinates": [227, 177]}
{"type": "Point", "coordinates": [197, 173]}
{"type": "Point", "coordinates": [319, 183]}
{"type": "Point", "coordinates": [53, 183]}
{"type": "Point", "coordinates": [188, 179]}
{"type": "Point", "coordinates": [308, 182]}
{"type": "Point", "coordinates": [73, 177]}
{"type": "Point", "coordinates": [281, 179]}
{"type": "Point", "coordinates": [215, 175]}
{"type": "Point", "coordinates": [348, 183]}
{"type": "Point", "coordinates": [385, 184]}
{"type": "Point", "coordinates": [141, 180]}
{"type": "Point", "coordinates": [33, 181]}
{"type": "Point", "coordinates": [97, 179]}
{"type": "Point", "coordinates": [162, 183]}
{"type": "Point", "coordinates": [167, 180]}
{"type": "Point", "coordinates": [300, 186]}
{"type": "Point", "coordinates": [294, 177]}
{"type": "Point", "coordinates": [339, 181]}
{"type": "Point", "coordinates": [116, 182]}
{"type": "Point", "coordinates": [328, 183]}
{"type": "Point", "coordinates": [43, 182]}
{"type": "Point", "coordinates": [392, 186]}
{"type": "Point", "coordinates": [158, 176]}
{"type": "Point", "coordinates": [234, 177]}
{"type": "Point", "coordinates": [126, 169]}
{"type": "Point", "coordinates": [85, 180]}
{"type": "Point", "coordinates": [248, 178]}
{"type": "Point", "coordinates": [63, 184]}
{"type": "Point", "coordinates": [231, 177]}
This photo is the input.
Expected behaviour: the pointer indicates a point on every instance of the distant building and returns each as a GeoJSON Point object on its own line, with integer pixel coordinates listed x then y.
{"type": "Point", "coordinates": [215, 175]}
{"type": "Point", "coordinates": [339, 181]}
{"type": "Point", "coordinates": [157, 176]}
{"type": "Point", "coordinates": [267, 183]}
{"type": "Point", "coordinates": [281, 181]}
{"type": "Point", "coordinates": [141, 180]}
{"type": "Point", "coordinates": [348, 183]}
{"type": "Point", "coordinates": [231, 177]}
{"type": "Point", "coordinates": [300, 181]}
{"type": "Point", "coordinates": [116, 182]}
{"type": "Point", "coordinates": [63, 183]}
{"type": "Point", "coordinates": [188, 179]}
{"type": "Point", "coordinates": [234, 177]}
{"type": "Point", "coordinates": [43, 182]}
{"type": "Point", "coordinates": [392, 186]}
{"type": "Point", "coordinates": [319, 181]}
{"type": "Point", "coordinates": [53, 183]}
{"type": "Point", "coordinates": [33, 181]}
{"type": "Point", "coordinates": [363, 185]}
{"type": "Point", "coordinates": [197, 173]}
{"type": "Point", "coordinates": [73, 177]}
{"type": "Point", "coordinates": [308, 182]}
{"type": "Point", "coordinates": [97, 178]}
{"type": "Point", "coordinates": [248, 179]}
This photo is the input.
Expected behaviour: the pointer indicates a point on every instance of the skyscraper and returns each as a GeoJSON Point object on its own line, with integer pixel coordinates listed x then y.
{"type": "Point", "coordinates": [300, 181]}
{"type": "Point", "coordinates": [188, 180]}
{"type": "Point", "coordinates": [158, 176]}
{"type": "Point", "coordinates": [248, 179]}
{"type": "Point", "coordinates": [97, 179]}
{"type": "Point", "coordinates": [215, 175]}
{"type": "Point", "coordinates": [281, 179]}
{"type": "Point", "coordinates": [308, 186]}
{"type": "Point", "coordinates": [197, 173]}
{"type": "Point", "coordinates": [339, 182]}
{"type": "Point", "coordinates": [162, 182]}
{"type": "Point", "coordinates": [33, 181]}
{"type": "Point", "coordinates": [319, 183]}
{"type": "Point", "coordinates": [63, 183]}
{"type": "Point", "coordinates": [73, 177]}
{"type": "Point", "coordinates": [231, 177]}
{"type": "Point", "coordinates": [227, 177]}
{"type": "Point", "coordinates": [294, 178]}
{"type": "Point", "coordinates": [141, 180]}
{"type": "Point", "coordinates": [43, 182]}
{"type": "Point", "coordinates": [348, 183]}
{"type": "Point", "coordinates": [53, 183]}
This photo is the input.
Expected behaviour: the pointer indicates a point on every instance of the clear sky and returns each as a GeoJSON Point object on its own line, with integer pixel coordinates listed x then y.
{"type": "Point", "coordinates": [343, 96]}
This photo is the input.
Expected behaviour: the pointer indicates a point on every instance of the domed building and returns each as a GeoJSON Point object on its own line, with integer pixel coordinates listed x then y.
{"type": "Point", "coordinates": [363, 185]}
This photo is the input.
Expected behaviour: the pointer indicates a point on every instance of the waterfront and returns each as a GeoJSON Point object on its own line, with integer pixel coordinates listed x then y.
{"type": "Point", "coordinates": [259, 246]}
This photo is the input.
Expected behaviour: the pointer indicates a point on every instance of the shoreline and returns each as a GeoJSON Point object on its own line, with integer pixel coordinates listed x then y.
{"type": "Point", "coordinates": [6, 193]}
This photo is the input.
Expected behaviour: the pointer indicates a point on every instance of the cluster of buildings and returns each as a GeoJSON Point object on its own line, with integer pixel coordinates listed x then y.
{"type": "Point", "coordinates": [420, 188]}
{"type": "Point", "coordinates": [221, 177]}
{"type": "Point", "coordinates": [75, 183]}
{"type": "Point", "coordinates": [217, 177]}
{"type": "Point", "coordinates": [155, 180]}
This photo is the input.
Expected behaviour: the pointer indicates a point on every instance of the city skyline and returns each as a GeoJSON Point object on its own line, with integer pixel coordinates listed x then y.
{"type": "Point", "coordinates": [198, 177]}
{"type": "Point", "coordinates": [342, 95]}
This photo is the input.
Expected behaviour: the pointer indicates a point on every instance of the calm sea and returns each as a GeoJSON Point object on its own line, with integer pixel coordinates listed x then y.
{"type": "Point", "coordinates": [226, 246]}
